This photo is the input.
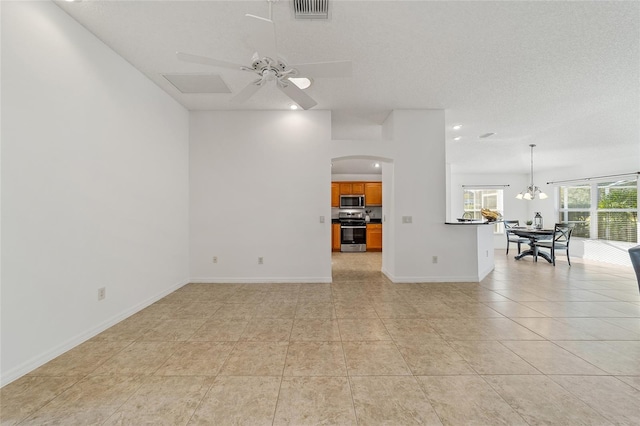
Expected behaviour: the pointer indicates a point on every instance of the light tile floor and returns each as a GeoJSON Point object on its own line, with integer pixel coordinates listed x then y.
{"type": "Point", "coordinates": [531, 344]}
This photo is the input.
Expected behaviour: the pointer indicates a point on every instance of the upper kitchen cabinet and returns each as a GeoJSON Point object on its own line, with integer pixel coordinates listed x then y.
{"type": "Point", "coordinates": [335, 195]}
{"type": "Point", "coordinates": [357, 188]}
{"type": "Point", "coordinates": [351, 188]}
{"type": "Point", "coordinates": [373, 194]}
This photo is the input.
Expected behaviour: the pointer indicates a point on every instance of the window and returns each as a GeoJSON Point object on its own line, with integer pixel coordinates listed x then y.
{"type": "Point", "coordinates": [603, 210]}
{"type": "Point", "coordinates": [618, 211]}
{"type": "Point", "coordinates": [475, 200]}
{"type": "Point", "coordinates": [575, 207]}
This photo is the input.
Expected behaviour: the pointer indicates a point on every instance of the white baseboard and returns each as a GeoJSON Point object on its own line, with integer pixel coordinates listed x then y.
{"type": "Point", "coordinates": [443, 279]}
{"type": "Point", "coordinates": [47, 356]}
{"type": "Point", "coordinates": [260, 280]}
{"type": "Point", "coordinates": [482, 275]}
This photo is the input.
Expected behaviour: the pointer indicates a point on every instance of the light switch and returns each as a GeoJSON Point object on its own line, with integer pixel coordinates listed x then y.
{"type": "Point", "coordinates": [407, 219]}
{"type": "Point", "coordinates": [321, 219]}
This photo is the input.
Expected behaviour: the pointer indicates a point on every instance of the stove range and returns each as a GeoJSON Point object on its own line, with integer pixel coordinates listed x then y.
{"type": "Point", "coordinates": [353, 231]}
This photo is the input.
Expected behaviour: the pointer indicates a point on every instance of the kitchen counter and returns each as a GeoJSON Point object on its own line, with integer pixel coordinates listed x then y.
{"type": "Point", "coordinates": [476, 222]}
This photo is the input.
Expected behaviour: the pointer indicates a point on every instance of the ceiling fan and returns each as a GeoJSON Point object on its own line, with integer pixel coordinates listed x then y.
{"type": "Point", "coordinates": [268, 66]}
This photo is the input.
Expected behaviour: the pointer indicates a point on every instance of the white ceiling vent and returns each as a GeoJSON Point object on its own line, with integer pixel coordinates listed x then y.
{"type": "Point", "coordinates": [311, 9]}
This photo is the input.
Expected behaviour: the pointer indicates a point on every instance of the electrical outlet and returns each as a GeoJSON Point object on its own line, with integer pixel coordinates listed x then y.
{"type": "Point", "coordinates": [434, 259]}
{"type": "Point", "coordinates": [260, 260]}
{"type": "Point", "coordinates": [487, 253]}
{"type": "Point", "coordinates": [321, 219]}
{"type": "Point", "coordinates": [215, 259]}
{"type": "Point", "coordinates": [407, 219]}
{"type": "Point", "coordinates": [102, 293]}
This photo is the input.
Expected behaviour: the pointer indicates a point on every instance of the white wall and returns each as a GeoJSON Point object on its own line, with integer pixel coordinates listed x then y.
{"type": "Point", "coordinates": [259, 183]}
{"type": "Point", "coordinates": [94, 187]}
{"type": "Point", "coordinates": [419, 191]}
{"type": "Point", "coordinates": [349, 125]}
{"type": "Point", "coordinates": [356, 178]}
{"type": "Point", "coordinates": [279, 162]}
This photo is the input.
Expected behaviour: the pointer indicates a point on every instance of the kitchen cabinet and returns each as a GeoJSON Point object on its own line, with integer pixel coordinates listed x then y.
{"type": "Point", "coordinates": [345, 188]}
{"type": "Point", "coordinates": [335, 195]}
{"type": "Point", "coordinates": [335, 237]}
{"type": "Point", "coordinates": [373, 193]}
{"type": "Point", "coordinates": [351, 188]}
{"type": "Point", "coordinates": [374, 237]}
{"type": "Point", "coordinates": [357, 188]}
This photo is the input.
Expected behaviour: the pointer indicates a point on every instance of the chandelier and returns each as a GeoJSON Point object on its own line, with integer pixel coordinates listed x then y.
{"type": "Point", "coordinates": [532, 191]}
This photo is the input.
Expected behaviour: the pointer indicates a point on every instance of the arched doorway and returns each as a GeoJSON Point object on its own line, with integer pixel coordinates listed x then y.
{"type": "Point", "coordinates": [367, 169]}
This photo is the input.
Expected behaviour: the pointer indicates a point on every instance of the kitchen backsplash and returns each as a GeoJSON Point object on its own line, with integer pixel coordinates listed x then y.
{"type": "Point", "coordinates": [375, 212]}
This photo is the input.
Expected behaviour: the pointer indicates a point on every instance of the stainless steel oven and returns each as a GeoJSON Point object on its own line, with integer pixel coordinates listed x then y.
{"type": "Point", "coordinates": [353, 232]}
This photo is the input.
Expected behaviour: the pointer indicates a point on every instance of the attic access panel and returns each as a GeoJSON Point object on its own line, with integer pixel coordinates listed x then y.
{"type": "Point", "coordinates": [198, 83]}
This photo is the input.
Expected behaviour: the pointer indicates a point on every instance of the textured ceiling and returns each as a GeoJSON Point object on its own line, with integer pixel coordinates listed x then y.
{"type": "Point", "coordinates": [563, 75]}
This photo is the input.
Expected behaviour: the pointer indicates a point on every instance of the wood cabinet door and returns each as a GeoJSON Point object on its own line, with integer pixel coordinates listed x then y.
{"type": "Point", "coordinates": [345, 188]}
{"type": "Point", "coordinates": [374, 237]}
{"type": "Point", "coordinates": [335, 195]}
{"type": "Point", "coordinates": [373, 193]}
{"type": "Point", "coordinates": [357, 188]}
{"type": "Point", "coordinates": [335, 237]}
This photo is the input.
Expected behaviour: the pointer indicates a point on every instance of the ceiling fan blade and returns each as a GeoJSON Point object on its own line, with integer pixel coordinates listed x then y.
{"type": "Point", "coordinates": [247, 92]}
{"type": "Point", "coordinates": [296, 94]}
{"type": "Point", "coordinates": [264, 37]}
{"type": "Point", "coordinates": [187, 57]}
{"type": "Point", "coordinates": [324, 69]}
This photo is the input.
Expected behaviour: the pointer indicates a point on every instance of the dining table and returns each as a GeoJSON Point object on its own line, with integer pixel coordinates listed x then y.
{"type": "Point", "coordinates": [533, 235]}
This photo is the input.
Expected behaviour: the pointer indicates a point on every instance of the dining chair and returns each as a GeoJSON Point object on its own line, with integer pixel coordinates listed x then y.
{"type": "Point", "coordinates": [634, 253]}
{"type": "Point", "coordinates": [512, 238]}
{"type": "Point", "coordinates": [560, 241]}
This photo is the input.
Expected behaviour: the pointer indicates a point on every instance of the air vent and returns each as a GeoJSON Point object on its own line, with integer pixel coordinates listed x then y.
{"type": "Point", "coordinates": [311, 9]}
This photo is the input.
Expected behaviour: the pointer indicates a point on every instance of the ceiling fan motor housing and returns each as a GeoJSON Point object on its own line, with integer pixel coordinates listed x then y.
{"type": "Point", "coordinates": [270, 69]}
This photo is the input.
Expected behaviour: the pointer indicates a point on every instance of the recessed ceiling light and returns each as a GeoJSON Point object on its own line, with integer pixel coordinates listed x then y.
{"type": "Point", "coordinates": [457, 138]}
{"type": "Point", "coordinates": [293, 106]}
{"type": "Point", "coordinates": [301, 82]}
{"type": "Point", "coordinates": [457, 127]}
{"type": "Point", "coordinates": [376, 165]}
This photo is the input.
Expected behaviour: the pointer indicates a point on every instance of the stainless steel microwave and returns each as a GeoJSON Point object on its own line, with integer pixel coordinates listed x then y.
{"type": "Point", "coordinates": [352, 201]}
